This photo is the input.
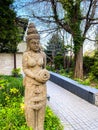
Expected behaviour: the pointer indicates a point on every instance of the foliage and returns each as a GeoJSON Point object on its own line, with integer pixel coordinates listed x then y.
{"type": "Point", "coordinates": [11, 114]}
{"type": "Point", "coordinates": [55, 51]}
{"type": "Point", "coordinates": [55, 45]}
{"type": "Point", "coordinates": [58, 61]}
{"type": "Point", "coordinates": [16, 72]}
{"type": "Point", "coordinates": [87, 63]}
{"type": "Point", "coordinates": [66, 73]}
{"type": "Point", "coordinates": [12, 88]}
{"type": "Point", "coordinates": [3, 83]}
{"type": "Point", "coordinates": [12, 118]}
{"type": "Point", "coordinates": [90, 71]}
{"type": "Point", "coordinates": [50, 68]}
{"type": "Point", "coordinates": [84, 82]}
{"type": "Point", "coordinates": [94, 69]}
{"type": "Point", "coordinates": [22, 26]}
{"type": "Point", "coordinates": [52, 122]}
{"type": "Point", "coordinates": [12, 107]}
{"type": "Point", "coordinates": [9, 33]}
{"type": "Point", "coordinates": [96, 55]}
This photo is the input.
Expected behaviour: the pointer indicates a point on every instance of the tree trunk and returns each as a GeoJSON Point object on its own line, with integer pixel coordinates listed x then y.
{"type": "Point", "coordinates": [14, 60]}
{"type": "Point", "coordinates": [14, 74]}
{"type": "Point", "coordinates": [64, 61]}
{"type": "Point", "coordinates": [78, 71]}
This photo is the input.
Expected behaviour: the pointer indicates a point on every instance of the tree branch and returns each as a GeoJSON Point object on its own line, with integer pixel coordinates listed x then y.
{"type": "Point", "coordinates": [87, 25]}
{"type": "Point", "coordinates": [94, 22]}
{"type": "Point", "coordinates": [49, 30]}
{"type": "Point", "coordinates": [44, 18]}
{"type": "Point", "coordinates": [93, 9]}
{"type": "Point", "coordinates": [91, 39]}
{"type": "Point", "coordinates": [63, 25]}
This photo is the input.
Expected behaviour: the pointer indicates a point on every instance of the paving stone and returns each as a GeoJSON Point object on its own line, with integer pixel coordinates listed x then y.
{"type": "Point", "coordinates": [75, 113]}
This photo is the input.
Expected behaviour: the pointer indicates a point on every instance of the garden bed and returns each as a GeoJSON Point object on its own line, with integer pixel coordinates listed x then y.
{"type": "Point", "coordinates": [12, 107]}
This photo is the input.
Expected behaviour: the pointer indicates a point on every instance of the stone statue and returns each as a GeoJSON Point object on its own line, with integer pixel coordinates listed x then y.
{"type": "Point", "coordinates": [34, 62]}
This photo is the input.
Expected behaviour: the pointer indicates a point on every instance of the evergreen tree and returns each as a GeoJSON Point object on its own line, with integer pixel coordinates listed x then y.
{"type": "Point", "coordinates": [55, 50]}
{"type": "Point", "coordinates": [9, 33]}
{"type": "Point", "coordinates": [55, 45]}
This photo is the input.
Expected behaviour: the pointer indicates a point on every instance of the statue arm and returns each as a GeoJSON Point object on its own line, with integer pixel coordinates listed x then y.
{"type": "Point", "coordinates": [28, 73]}
{"type": "Point", "coordinates": [44, 59]}
{"type": "Point", "coordinates": [26, 69]}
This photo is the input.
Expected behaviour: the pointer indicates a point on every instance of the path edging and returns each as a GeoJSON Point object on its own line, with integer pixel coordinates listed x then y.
{"type": "Point", "coordinates": [86, 92]}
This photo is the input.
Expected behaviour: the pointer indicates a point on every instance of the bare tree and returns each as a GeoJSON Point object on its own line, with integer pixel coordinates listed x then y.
{"type": "Point", "coordinates": [76, 17]}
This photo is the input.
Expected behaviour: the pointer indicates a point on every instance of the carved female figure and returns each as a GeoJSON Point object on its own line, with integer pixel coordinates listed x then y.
{"type": "Point", "coordinates": [34, 61]}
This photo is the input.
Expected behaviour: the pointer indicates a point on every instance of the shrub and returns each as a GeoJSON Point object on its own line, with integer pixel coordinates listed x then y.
{"type": "Point", "coordinates": [96, 55]}
{"type": "Point", "coordinates": [12, 107]}
{"type": "Point", "coordinates": [94, 69]}
{"type": "Point", "coordinates": [58, 61]}
{"type": "Point", "coordinates": [16, 72]}
{"type": "Point", "coordinates": [87, 63]}
{"type": "Point", "coordinates": [12, 87]}
{"type": "Point", "coordinates": [50, 68]}
{"type": "Point", "coordinates": [52, 122]}
{"type": "Point", "coordinates": [84, 82]}
{"type": "Point", "coordinates": [12, 118]}
{"type": "Point", "coordinates": [3, 83]}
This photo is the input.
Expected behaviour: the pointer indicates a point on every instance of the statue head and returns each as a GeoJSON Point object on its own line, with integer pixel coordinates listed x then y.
{"type": "Point", "coordinates": [32, 38]}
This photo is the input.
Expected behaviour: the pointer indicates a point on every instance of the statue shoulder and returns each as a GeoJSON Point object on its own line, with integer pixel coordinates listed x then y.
{"type": "Point", "coordinates": [25, 56]}
{"type": "Point", "coordinates": [43, 54]}
{"type": "Point", "coordinates": [26, 53]}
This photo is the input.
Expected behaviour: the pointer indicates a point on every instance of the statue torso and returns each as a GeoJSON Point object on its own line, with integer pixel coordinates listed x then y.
{"type": "Point", "coordinates": [34, 61]}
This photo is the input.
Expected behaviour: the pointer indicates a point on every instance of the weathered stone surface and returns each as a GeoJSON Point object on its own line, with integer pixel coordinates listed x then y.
{"type": "Point", "coordinates": [34, 61]}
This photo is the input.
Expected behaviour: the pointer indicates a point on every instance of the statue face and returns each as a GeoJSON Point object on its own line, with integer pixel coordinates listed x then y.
{"type": "Point", "coordinates": [34, 45]}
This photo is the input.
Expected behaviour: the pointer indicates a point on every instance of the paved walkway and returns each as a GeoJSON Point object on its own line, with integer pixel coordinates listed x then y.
{"type": "Point", "coordinates": [74, 112]}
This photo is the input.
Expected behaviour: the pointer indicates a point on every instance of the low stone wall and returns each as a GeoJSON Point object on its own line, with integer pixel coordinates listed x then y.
{"type": "Point", "coordinates": [86, 92]}
{"type": "Point", "coordinates": [7, 62]}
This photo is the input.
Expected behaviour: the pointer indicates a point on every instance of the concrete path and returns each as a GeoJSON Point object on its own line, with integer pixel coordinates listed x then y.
{"type": "Point", "coordinates": [74, 112]}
